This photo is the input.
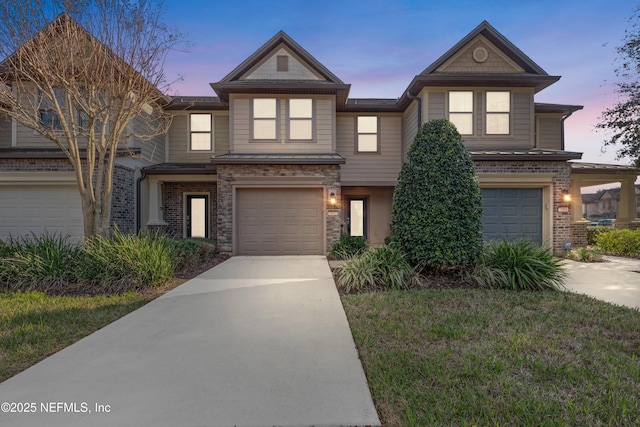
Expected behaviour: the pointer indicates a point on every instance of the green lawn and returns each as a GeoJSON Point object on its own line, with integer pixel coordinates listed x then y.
{"type": "Point", "coordinates": [34, 325]}
{"type": "Point", "coordinates": [466, 357]}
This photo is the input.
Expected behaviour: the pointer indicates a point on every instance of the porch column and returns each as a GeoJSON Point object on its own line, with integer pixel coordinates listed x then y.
{"type": "Point", "coordinates": [579, 223]}
{"type": "Point", "coordinates": [627, 212]}
{"type": "Point", "coordinates": [155, 205]}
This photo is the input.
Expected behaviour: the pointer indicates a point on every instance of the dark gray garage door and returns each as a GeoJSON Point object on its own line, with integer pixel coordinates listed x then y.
{"type": "Point", "coordinates": [512, 214]}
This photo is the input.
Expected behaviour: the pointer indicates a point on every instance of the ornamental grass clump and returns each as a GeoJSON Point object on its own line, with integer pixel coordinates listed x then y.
{"type": "Point", "coordinates": [348, 246]}
{"type": "Point", "coordinates": [376, 269]}
{"type": "Point", "coordinates": [518, 266]}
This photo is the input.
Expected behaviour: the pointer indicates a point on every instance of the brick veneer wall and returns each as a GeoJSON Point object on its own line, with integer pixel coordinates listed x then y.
{"type": "Point", "coordinates": [123, 199]}
{"type": "Point", "coordinates": [35, 165]}
{"type": "Point", "coordinates": [561, 182]}
{"type": "Point", "coordinates": [330, 175]}
{"type": "Point", "coordinates": [173, 205]}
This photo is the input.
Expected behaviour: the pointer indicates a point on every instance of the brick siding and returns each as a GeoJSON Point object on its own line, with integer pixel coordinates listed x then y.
{"type": "Point", "coordinates": [173, 205]}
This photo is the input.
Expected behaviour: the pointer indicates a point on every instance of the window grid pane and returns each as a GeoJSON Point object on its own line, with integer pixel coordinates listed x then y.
{"type": "Point", "coordinates": [498, 102]}
{"type": "Point", "coordinates": [498, 123]}
{"type": "Point", "coordinates": [264, 108]}
{"type": "Point", "coordinates": [367, 124]}
{"type": "Point", "coordinates": [201, 122]}
{"type": "Point", "coordinates": [201, 141]}
{"type": "Point", "coordinates": [301, 129]}
{"type": "Point", "coordinates": [461, 102]}
{"type": "Point", "coordinates": [264, 129]}
{"type": "Point", "coordinates": [368, 143]}
{"type": "Point", "coordinates": [301, 108]}
{"type": "Point", "coordinates": [463, 122]}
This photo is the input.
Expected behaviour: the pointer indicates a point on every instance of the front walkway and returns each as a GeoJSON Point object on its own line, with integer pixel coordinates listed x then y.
{"type": "Point", "coordinates": [616, 281]}
{"type": "Point", "coordinates": [255, 341]}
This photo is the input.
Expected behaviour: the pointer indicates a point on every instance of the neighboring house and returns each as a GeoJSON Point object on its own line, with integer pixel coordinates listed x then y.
{"type": "Point", "coordinates": [281, 160]}
{"type": "Point", "coordinates": [604, 204]}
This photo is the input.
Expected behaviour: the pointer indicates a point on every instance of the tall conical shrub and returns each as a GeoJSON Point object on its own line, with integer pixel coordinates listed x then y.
{"type": "Point", "coordinates": [437, 204]}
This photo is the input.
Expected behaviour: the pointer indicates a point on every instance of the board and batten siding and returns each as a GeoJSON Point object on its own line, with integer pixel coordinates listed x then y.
{"type": "Point", "coordinates": [323, 122]}
{"type": "Point", "coordinates": [549, 132]}
{"type": "Point", "coordinates": [179, 139]}
{"type": "Point", "coordinates": [370, 168]}
{"type": "Point", "coordinates": [521, 118]}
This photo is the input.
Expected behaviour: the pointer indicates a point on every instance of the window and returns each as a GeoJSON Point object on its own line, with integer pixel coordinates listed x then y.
{"type": "Point", "coordinates": [367, 138]}
{"type": "Point", "coordinates": [461, 111]}
{"type": "Point", "coordinates": [300, 119]}
{"type": "Point", "coordinates": [200, 129]}
{"type": "Point", "coordinates": [498, 113]}
{"type": "Point", "coordinates": [48, 117]}
{"type": "Point", "coordinates": [264, 118]}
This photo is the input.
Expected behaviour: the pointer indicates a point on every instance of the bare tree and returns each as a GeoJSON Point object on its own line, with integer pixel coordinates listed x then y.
{"type": "Point", "coordinates": [88, 76]}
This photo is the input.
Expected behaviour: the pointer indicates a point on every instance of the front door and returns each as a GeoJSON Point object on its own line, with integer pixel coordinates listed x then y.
{"type": "Point", "coordinates": [197, 216]}
{"type": "Point", "coordinates": [357, 216]}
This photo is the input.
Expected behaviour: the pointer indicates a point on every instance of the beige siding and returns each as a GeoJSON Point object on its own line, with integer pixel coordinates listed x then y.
{"type": "Point", "coordinates": [549, 132]}
{"type": "Point", "coordinates": [152, 149]}
{"type": "Point", "coordinates": [268, 70]}
{"type": "Point", "coordinates": [5, 132]}
{"type": "Point", "coordinates": [324, 124]}
{"type": "Point", "coordinates": [382, 167]}
{"type": "Point", "coordinates": [521, 118]}
{"type": "Point", "coordinates": [179, 139]}
{"type": "Point", "coordinates": [409, 127]}
{"type": "Point", "coordinates": [379, 204]}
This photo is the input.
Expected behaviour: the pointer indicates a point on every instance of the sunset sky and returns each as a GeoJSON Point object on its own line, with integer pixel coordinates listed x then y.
{"type": "Point", "coordinates": [379, 46]}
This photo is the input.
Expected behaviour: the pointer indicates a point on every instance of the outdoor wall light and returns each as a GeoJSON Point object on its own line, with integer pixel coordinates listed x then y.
{"type": "Point", "coordinates": [332, 198]}
{"type": "Point", "coordinates": [566, 197]}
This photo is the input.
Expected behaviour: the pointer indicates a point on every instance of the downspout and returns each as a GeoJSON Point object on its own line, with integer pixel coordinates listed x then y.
{"type": "Point", "coordinates": [565, 117]}
{"type": "Point", "coordinates": [142, 176]}
{"type": "Point", "coordinates": [417, 98]}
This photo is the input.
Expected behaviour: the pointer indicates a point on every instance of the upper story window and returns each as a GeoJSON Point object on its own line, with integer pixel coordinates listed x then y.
{"type": "Point", "coordinates": [367, 134]}
{"type": "Point", "coordinates": [264, 118]}
{"type": "Point", "coordinates": [201, 132]}
{"type": "Point", "coordinates": [48, 117]}
{"type": "Point", "coordinates": [498, 113]}
{"type": "Point", "coordinates": [461, 111]}
{"type": "Point", "coordinates": [300, 119]}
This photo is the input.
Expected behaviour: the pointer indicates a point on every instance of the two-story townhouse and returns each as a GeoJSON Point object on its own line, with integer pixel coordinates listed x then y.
{"type": "Point", "coordinates": [281, 160]}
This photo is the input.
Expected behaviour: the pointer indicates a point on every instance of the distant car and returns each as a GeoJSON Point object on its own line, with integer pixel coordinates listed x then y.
{"type": "Point", "coordinates": [606, 222]}
{"type": "Point", "coordinates": [593, 223]}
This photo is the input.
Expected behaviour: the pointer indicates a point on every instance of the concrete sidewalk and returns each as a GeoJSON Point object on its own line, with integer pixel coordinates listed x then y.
{"type": "Point", "coordinates": [256, 341]}
{"type": "Point", "coordinates": [616, 281]}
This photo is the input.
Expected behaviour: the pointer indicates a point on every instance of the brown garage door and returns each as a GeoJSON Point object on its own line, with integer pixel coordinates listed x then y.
{"type": "Point", "coordinates": [279, 221]}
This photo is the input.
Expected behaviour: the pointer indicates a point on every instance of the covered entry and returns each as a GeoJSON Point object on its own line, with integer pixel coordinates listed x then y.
{"type": "Point", "coordinates": [512, 214]}
{"type": "Point", "coordinates": [279, 221]}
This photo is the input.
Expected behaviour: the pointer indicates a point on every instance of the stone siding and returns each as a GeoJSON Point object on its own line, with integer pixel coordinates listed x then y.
{"type": "Point", "coordinates": [330, 175]}
{"type": "Point", "coordinates": [561, 171]}
{"type": "Point", "coordinates": [173, 199]}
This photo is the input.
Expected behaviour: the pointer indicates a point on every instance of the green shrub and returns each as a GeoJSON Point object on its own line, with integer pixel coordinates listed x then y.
{"type": "Point", "coordinates": [376, 269]}
{"type": "Point", "coordinates": [622, 242]}
{"type": "Point", "coordinates": [518, 266]}
{"type": "Point", "coordinates": [348, 246]}
{"type": "Point", "coordinates": [594, 232]}
{"type": "Point", "coordinates": [585, 255]}
{"type": "Point", "coordinates": [129, 261]}
{"type": "Point", "coordinates": [437, 204]}
{"type": "Point", "coordinates": [39, 262]}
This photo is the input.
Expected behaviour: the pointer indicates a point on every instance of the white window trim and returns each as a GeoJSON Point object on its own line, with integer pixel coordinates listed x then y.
{"type": "Point", "coordinates": [211, 132]}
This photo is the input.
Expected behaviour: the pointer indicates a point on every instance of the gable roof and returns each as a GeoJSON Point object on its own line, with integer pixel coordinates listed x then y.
{"type": "Point", "coordinates": [526, 73]}
{"type": "Point", "coordinates": [328, 83]}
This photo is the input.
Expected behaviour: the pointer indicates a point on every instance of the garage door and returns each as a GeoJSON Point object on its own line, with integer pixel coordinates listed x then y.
{"type": "Point", "coordinates": [26, 209]}
{"type": "Point", "coordinates": [279, 221]}
{"type": "Point", "coordinates": [512, 214]}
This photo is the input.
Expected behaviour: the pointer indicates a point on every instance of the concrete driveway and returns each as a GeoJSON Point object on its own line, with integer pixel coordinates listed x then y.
{"type": "Point", "coordinates": [616, 281]}
{"type": "Point", "coordinates": [255, 341]}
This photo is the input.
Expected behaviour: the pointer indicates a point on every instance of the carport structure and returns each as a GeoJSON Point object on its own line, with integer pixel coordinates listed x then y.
{"type": "Point", "coordinates": [589, 174]}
